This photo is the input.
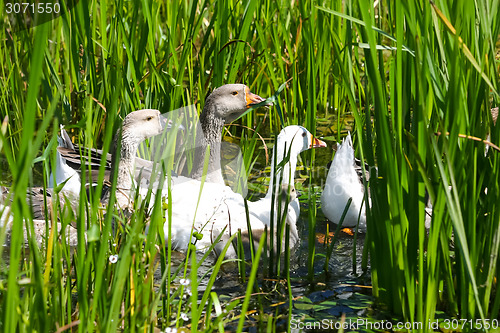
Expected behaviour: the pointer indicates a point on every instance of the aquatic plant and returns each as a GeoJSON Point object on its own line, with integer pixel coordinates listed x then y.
{"type": "Point", "coordinates": [420, 79]}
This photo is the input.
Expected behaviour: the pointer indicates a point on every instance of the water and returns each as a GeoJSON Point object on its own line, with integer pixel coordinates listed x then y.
{"type": "Point", "coordinates": [341, 294]}
{"type": "Point", "coordinates": [326, 296]}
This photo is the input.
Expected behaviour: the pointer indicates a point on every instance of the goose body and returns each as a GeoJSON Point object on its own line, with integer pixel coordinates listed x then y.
{"type": "Point", "coordinates": [341, 184]}
{"type": "Point", "coordinates": [220, 211]}
{"type": "Point", "coordinates": [39, 224]}
{"type": "Point", "coordinates": [286, 197]}
{"type": "Point", "coordinates": [5, 216]}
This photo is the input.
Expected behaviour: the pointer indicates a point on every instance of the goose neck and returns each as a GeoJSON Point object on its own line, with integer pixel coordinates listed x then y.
{"type": "Point", "coordinates": [126, 158]}
{"type": "Point", "coordinates": [284, 175]}
{"type": "Point", "coordinates": [211, 126]}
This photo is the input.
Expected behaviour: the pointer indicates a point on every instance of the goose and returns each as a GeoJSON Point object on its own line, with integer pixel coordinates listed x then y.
{"type": "Point", "coordinates": [222, 211]}
{"type": "Point", "coordinates": [137, 126]}
{"type": "Point", "coordinates": [65, 172]}
{"type": "Point", "coordinates": [39, 225]}
{"type": "Point", "coordinates": [342, 183]}
{"type": "Point", "coordinates": [286, 195]}
{"type": "Point", "coordinates": [224, 105]}
{"type": "Point", "coordinates": [5, 216]}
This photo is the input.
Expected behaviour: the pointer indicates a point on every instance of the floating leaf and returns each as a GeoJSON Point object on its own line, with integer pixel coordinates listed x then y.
{"type": "Point", "coordinates": [303, 306]}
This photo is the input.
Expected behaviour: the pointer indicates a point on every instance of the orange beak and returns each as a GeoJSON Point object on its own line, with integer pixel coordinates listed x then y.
{"type": "Point", "coordinates": [252, 98]}
{"type": "Point", "coordinates": [316, 143]}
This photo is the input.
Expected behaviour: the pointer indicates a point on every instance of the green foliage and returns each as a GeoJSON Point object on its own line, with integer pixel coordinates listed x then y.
{"type": "Point", "coordinates": [420, 79]}
{"type": "Point", "coordinates": [427, 107]}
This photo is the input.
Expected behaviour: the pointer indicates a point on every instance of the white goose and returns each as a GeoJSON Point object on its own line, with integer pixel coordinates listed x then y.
{"type": "Point", "coordinates": [222, 211]}
{"type": "Point", "coordinates": [284, 199]}
{"type": "Point", "coordinates": [343, 183]}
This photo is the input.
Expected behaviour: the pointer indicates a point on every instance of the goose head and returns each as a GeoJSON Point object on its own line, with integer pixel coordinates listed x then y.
{"type": "Point", "coordinates": [224, 105]}
{"type": "Point", "coordinates": [142, 124]}
{"type": "Point", "coordinates": [230, 101]}
{"type": "Point", "coordinates": [291, 141]}
{"type": "Point", "coordinates": [136, 127]}
{"type": "Point", "coordinates": [296, 139]}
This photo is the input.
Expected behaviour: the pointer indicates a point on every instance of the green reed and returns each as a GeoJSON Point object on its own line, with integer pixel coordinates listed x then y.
{"type": "Point", "coordinates": [428, 103]}
{"type": "Point", "coordinates": [417, 103]}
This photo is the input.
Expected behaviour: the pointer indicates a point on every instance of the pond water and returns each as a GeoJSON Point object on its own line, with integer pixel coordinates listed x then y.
{"type": "Point", "coordinates": [328, 298]}
{"type": "Point", "coordinates": [341, 294]}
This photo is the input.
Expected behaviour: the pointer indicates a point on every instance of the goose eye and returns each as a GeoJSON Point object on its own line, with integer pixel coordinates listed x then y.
{"type": "Point", "coordinates": [149, 118]}
{"type": "Point", "coordinates": [234, 93]}
{"type": "Point", "coordinates": [304, 134]}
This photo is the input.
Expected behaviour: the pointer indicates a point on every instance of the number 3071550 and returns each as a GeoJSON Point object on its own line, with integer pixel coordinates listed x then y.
{"type": "Point", "coordinates": [33, 8]}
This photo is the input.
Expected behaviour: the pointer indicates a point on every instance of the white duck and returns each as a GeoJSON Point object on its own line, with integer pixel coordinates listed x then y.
{"type": "Point", "coordinates": [222, 211]}
{"type": "Point", "coordinates": [343, 183]}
